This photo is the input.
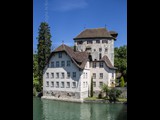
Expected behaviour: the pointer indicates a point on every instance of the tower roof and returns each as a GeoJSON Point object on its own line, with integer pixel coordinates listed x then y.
{"type": "Point", "coordinates": [96, 33]}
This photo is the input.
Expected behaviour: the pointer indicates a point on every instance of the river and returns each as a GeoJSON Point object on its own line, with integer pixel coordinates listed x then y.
{"type": "Point", "coordinates": [59, 110]}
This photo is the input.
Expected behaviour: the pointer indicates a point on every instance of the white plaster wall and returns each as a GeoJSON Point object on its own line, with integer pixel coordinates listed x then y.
{"type": "Point", "coordinates": [72, 68]}
{"type": "Point", "coordinates": [95, 48]}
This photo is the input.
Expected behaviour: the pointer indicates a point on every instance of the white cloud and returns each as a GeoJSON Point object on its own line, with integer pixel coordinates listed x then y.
{"type": "Point", "coordinates": [67, 5]}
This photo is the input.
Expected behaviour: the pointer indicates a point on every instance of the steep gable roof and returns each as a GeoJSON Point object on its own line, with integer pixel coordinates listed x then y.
{"type": "Point", "coordinates": [96, 33]}
{"type": "Point", "coordinates": [79, 58]}
{"type": "Point", "coordinates": [108, 62]}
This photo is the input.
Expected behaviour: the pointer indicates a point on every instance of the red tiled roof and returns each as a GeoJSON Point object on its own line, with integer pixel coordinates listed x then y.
{"type": "Point", "coordinates": [96, 33]}
{"type": "Point", "coordinates": [79, 58]}
{"type": "Point", "coordinates": [108, 62]}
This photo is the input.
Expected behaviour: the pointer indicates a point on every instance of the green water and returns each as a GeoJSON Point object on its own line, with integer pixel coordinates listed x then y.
{"type": "Point", "coordinates": [57, 110]}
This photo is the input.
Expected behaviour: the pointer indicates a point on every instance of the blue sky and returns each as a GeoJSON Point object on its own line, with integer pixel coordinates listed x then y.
{"type": "Point", "coordinates": [67, 18]}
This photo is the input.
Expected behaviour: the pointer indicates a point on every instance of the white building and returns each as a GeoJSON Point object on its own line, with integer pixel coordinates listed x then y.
{"type": "Point", "coordinates": [68, 72]}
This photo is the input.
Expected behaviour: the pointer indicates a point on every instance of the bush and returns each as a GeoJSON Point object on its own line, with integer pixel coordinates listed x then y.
{"type": "Point", "coordinates": [114, 94]}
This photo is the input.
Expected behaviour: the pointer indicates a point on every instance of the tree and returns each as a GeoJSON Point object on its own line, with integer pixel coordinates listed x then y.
{"type": "Point", "coordinates": [105, 89]}
{"type": "Point", "coordinates": [91, 87]}
{"type": "Point", "coordinates": [120, 60]}
{"type": "Point", "coordinates": [44, 48]}
{"type": "Point", "coordinates": [122, 82]}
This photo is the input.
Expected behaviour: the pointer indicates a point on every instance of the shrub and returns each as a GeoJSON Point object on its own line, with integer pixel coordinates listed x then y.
{"type": "Point", "coordinates": [114, 94]}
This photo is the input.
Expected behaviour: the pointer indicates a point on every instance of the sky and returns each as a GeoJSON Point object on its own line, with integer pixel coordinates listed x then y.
{"type": "Point", "coordinates": [67, 18]}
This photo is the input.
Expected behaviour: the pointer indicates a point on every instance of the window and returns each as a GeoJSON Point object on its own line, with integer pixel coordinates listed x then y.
{"type": "Point", "coordinates": [52, 64]}
{"type": "Point", "coordinates": [52, 75]}
{"type": "Point", "coordinates": [83, 84]}
{"type": "Point", "coordinates": [100, 49]}
{"type": "Point", "coordinates": [112, 75]}
{"type": "Point", "coordinates": [79, 42]}
{"type": "Point", "coordinates": [68, 63]}
{"type": "Point", "coordinates": [68, 84]}
{"type": "Point", "coordinates": [57, 84]}
{"type": "Point", "coordinates": [62, 84]}
{"type": "Point", "coordinates": [47, 75]}
{"type": "Point", "coordinates": [60, 55]}
{"type": "Point", "coordinates": [101, 64]}
{"type": "Point", "coordinates": [86, 76]}
{"type": "Point", "coordinates": [104, 41]}
{"type": "Point", "coordinates": [57, 63]}
{"type": "Point", "coordinates": [74, 74]}
{"type": "Point", "coordinates": [94, 84]}
{"type": "Point", "coordinates": [106, 49]}
{"type": "Point", "coordinates": [88, 49]}
{"type": "Point", "coordinates": [73, 84]}
{"type": "Point", "coordinates": [100, 84]}
{"type": "Point", "coordinates": [86, 84]}
{"type": "Point", "coordinates": [101, 76]}
{"type": "Point", "coordinates": [68, 75]}
{"type": "Point", "coordinates": [52, 83]}
{"type": "Point", "coordinates": [62, 63]}
{"type": "Point", "coordinates": [89, 42]}
{"type": "Point", "coordinates": [47, 84]}
{"type": "Point", "coordinates": [94, 75]}
{"type": "Point", "coordinates": [62, 75]}
{"type": "Point", "coordinates": [94, 50]}
{"type": "Point", "coordinates": [97, 41]}
{"type": "Point", "coordinates": [57, 75]}
{"type": "Point", "coordinates": [100, 56]}
{"type": "Point", "coordinates": [94, 65]}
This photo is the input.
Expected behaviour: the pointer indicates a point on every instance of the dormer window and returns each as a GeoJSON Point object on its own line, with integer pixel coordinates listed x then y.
{"type": "Point", "coordinates": [60, 55]}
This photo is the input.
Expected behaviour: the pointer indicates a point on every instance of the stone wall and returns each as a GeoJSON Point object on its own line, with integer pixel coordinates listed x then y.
{"type": "Point", "coordinates": [62, 94]}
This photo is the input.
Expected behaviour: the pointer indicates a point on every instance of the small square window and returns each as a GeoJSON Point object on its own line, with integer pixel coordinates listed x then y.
{"type": "Point", "coordinates": [52, 75]}
{"type": "Point", "coordinates": [68, 84]}
{"type": "Point", "coordinates": [62, 84]}
{"type": "Point", "coordinates": [47, 84]}
{"type": "Point", "coordinates": [47, 75]}
{"type": "Point", "coordinates": [57, 84]}
{"type": "Point", "coordinates": [62, 63]}
{"type": "Point", "coordinates": [52, 83]}
{"type": "Point", "coordinates": [73, 84]}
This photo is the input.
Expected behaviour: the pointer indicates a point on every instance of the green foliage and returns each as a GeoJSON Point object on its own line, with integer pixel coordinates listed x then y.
{"type": "Point", "coordinates": [91, 92]}
{"type": "Point", "coordinates": [44, 48]}
{"type": "Point", "coordinates": [114, 94]}
{"type": "Point", "coordinates": [122, 82]}
{"type": "Point", "coordinates": [120, 60]}
{"type": "Point", "coordinates": [105, 89]}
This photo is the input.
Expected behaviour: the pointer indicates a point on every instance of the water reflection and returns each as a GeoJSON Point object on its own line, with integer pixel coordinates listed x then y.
{"type": "Point", "coordinates": [56, 110]}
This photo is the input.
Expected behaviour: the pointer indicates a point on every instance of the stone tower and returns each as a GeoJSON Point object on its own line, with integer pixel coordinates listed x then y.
{"type": "Point", "coordinates": [97, 42]}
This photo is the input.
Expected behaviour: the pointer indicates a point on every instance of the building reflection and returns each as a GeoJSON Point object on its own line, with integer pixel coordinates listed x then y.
{"type": "Point", "coordinates": [56, 110]}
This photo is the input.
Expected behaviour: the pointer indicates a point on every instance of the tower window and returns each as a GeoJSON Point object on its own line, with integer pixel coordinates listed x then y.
{"type": "Point", "coordinates": [97, 41]}
{"type": "Point", "coordinates": [100, 56]}
{"type": "Point", "coordinates": [106, 50]}
{"type": "Point", "coordinates": [100, 49]}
